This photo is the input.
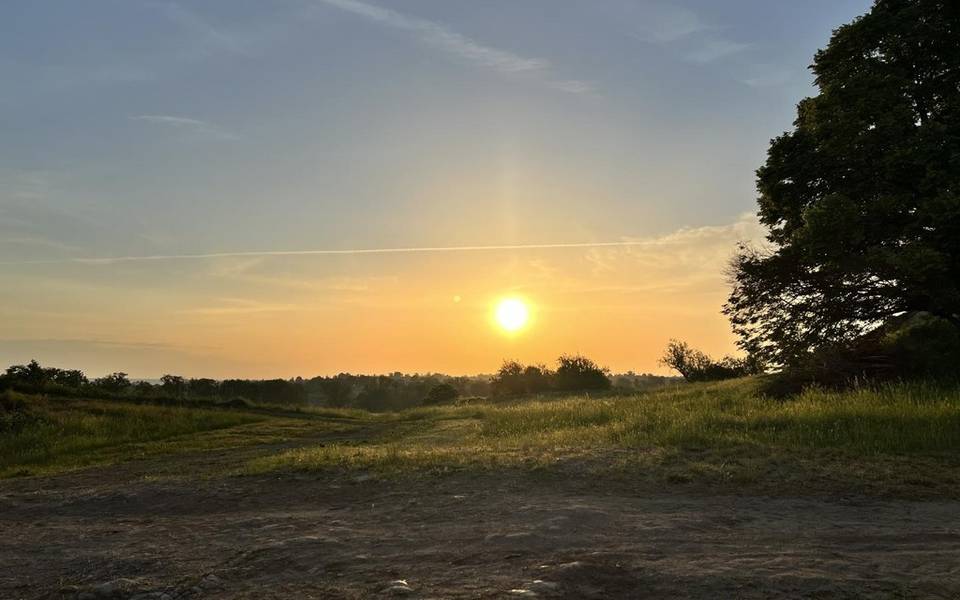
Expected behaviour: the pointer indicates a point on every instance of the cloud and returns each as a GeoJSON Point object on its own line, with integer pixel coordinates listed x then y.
{"type": "Point", "coordinates": [762, 76]}
{"type": "Point", "coordinates": [747, 228]}
{"type": "Point", "coordinates": [665, 23]}
{"type": "Point", "coordinates": [93, 342]}
{"type": "Point", "coordinates": [194, 125]}
{"type": "Point", "coordinates": [240, 306]}
{"type": "Point", "coordinates": [211, 38]}
{"type": "Point", "coordinates": [337, 252]}
{"type": "Point", "coordinates": [687, 256]}
{"type": "Point", "coordinates": [38, 241]}
{"type": "Point", "coordinates": [460, 46]}
{"type": "Point", "coordinates": [711, 50]}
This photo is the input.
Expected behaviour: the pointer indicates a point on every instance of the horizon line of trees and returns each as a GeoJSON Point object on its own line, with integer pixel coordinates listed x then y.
{"type": "Point", "coordinates": [394, 391]}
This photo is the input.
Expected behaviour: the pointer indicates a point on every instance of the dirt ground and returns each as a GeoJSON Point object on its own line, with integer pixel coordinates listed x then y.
{"type": "Point", "coordinates": [169, 528]}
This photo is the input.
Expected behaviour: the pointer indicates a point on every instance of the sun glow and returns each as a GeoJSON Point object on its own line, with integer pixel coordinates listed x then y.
{"type": "Point", "coordinates": [511, 314]}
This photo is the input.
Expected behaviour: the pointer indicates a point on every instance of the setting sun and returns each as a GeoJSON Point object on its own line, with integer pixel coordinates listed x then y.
{"type": "Point", "coordinates": [512, 314]}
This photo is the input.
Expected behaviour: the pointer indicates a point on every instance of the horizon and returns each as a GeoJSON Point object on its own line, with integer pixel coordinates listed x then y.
{"type": "Point", "coordinates": [236, 189]}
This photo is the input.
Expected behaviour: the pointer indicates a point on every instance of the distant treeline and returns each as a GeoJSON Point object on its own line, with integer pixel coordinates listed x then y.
{"type": "Point", "coordinates": [573, 374]}
{"type": "Point", "coordinates": [395, 391]}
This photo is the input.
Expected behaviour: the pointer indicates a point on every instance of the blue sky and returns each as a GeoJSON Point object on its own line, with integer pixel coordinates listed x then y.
{"type": "Point", "coordinates": [133, 128]}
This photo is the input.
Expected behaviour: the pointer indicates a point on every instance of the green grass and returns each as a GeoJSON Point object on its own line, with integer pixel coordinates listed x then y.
{"type": "Point", "coordinates": [60, 434]}
{"type": "Point", "coordinates": [895, 439]}
{"type": "Point", "coordinates": [720, 432]}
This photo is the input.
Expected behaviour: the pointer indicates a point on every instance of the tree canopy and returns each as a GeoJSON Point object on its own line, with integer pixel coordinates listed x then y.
{"type": "Point", "coordinates": [862, 197]}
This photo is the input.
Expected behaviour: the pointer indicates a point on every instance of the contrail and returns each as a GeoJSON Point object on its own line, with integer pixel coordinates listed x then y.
{"type": "Point", "coordinates": [330, 252]}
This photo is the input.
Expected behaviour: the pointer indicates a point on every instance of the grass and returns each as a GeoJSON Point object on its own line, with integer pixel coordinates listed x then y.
{"type": "Point", "coordinates": [897, 439]}
{"type": "Point", "coordinates": [56, 434]}
{"type": "Point", "coordinates": [904, 435]}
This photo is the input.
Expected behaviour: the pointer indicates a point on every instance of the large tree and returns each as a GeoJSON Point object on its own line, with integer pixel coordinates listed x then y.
{"type": "Point", "coordinates": [862, 198]}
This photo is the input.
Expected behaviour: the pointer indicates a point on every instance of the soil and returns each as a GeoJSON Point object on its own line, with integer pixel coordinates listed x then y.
{"type": "Point", "coordinates": [178, 528]}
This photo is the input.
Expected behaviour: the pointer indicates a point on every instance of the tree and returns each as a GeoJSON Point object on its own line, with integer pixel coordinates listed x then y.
{"type": "Point", "coordinates": [173, 385]}
{"type": "Point", "coordinates": [71, 378]}
{"type": "Point", "coordinates": [577, 372]}
{"type": "Point", "coordinates": [203, 387]}
{"type": "Point", "coordinates": [862, 197]}
{"type": "Point", "coordinates": [694, 365]}
{"type": "Point", "coordinates": [537, 379]}
{"type": "Point", "coordinates": [509, 380]}
{"type": "Point", "coordinates": [683, 359]}
{"type": "Point", "coordinates": [30, 374]}
{"type": "Point", "coordinates": [113, 383]}
{"type": "Point", "coordinates": [442, 393]}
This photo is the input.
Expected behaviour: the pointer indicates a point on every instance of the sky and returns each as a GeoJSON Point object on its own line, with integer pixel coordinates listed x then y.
{"type": "Point", "coordinates": [306, 187]}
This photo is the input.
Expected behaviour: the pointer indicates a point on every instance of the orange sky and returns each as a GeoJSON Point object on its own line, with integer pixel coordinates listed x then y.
{"type": "Point", "coordinates": [309, 315]}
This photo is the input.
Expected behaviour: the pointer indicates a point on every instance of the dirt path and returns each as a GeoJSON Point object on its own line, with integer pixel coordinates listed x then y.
{"type": "Point", "coordinates": [113, 532]}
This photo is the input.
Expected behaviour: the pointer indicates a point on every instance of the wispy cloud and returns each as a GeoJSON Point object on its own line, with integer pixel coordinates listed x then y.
{"type": "Point", "coordinates": [212, 39]}
{"type": "Point", "coordinates": [338, 252]}
{"type": "Point", "coordinates": [680, 237]}
{"type": "Point", "coordinates": [37, 241]}
{"type": "Point", "coordinates": [91, 342]}
{"type": "Point", "coordinates": [193, 125]}
{"type": "Point", "coordinates": [763, 76]}
{"type": "Point", "coordinates": [667, 23]}
{"type": "Point", "coordinates": [711, 50]}
{"type": "Point", "coordinates": [702, 42]}
{"type": "Point", "coordinates": [240, 306]}
{"type": "Point", "coordinates": [460, 46]}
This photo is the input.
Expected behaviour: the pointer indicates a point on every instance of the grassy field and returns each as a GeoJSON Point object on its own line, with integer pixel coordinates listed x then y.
{"type": "Point", "coordinates": [896, 439]}
{"type": "Point", "coordinates": [50, 435]}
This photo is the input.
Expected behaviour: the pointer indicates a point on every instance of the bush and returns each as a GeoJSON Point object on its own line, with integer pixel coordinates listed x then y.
{"type": "Point", "coordinates": [908, 347]}
{"type": "Point", "coordinates": [575, 373]}
{"type": "Point", "coordinates": [442, 393]}
{"type": "Point", "coordinates": [694, 365]}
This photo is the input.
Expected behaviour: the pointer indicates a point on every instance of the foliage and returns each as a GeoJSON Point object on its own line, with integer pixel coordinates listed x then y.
{"type": "Point", "coordinates": [113, 383]}
{"type": "Point", "coordinates": [35, 377]}
{"type": "Point", "coordinates": [515, 379]}
{"type": "Point", "coordinates": [574, 373]}
{"type": "Point", "coordinates": [694, 365]}
{"type": "Point", "coordinates": [862, 198]}
{"type": "Point", "coordinates": [913, 346]}
{"type": "Point", "coordinates": [442, 393]}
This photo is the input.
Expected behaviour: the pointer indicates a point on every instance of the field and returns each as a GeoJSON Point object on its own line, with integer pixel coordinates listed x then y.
{"type": "Point", "coordinates": [693, 491]}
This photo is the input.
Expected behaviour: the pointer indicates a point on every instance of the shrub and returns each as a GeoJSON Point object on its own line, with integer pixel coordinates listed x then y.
{"type": "Point", "coordinates": [577, 372]}
{"type": "Point", "coordinates": [694, 365]}
{"type": "Point", "coordinates": [442, 393]}
{"type": "Point", "coordinates": [908, 347]}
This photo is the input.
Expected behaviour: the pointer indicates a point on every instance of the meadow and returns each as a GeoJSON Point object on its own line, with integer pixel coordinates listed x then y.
{"type": "Point", "coordinates": [900, 438]}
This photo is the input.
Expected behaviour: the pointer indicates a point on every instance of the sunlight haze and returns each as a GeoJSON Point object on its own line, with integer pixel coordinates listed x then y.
{"type": "Point", "coordinates": [316, 186]}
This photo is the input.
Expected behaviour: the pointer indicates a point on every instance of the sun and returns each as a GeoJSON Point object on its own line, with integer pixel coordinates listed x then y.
{"type": "Point", "coordinates": [512, 314]}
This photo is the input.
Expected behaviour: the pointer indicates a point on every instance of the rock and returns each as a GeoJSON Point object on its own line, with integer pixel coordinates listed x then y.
{"type": "Point", "coordinates": [400, 587]}
{"type": "Point", "coordinates": [111, 589]}
{"type": "Point", "coordinates": [211, 582]}
{"type": "Point", "coordinates": [105, 590]}
{"type": "Point", "coordinates": [542, 587]}
{"type": "Point", "coordinates": [398, 590]}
